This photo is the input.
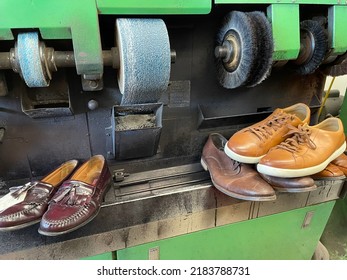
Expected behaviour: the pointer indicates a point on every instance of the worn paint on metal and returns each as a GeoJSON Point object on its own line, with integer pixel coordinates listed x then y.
{"type": "Point", "coordinates": [285, 20]}
{"type": "Point", "coordinates": [279, 236]}
{"type": "Point", "coordinates": [63, 19]}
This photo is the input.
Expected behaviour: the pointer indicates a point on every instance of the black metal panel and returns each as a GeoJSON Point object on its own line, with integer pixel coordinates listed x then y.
{"type": "Point", "coordinates": [33, 147]}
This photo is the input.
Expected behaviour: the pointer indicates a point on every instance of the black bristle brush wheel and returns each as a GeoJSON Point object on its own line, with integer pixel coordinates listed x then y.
{"type": "Point", "coordinates": [236, 50]}
{"type": "Point", "coordinates": [263, 62]}
{"type": "Point", "coordinates": [314, 44]}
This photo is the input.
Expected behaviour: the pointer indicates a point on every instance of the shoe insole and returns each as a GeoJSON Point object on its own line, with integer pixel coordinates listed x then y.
{"type": "Point", "coordinates": [90, 171]}
{"type": "Point", "coordinates": [60, 174]}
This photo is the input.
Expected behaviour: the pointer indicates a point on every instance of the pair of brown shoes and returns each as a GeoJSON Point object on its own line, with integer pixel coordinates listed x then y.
{"type": "Point", "coordinates": [233, 178]}
{"type": "Point", "coordinates": [284, 145]}
{"type": "Point", "coordinates": [241, 180]}
{"type": "Point", "coordinates": [62, 201]}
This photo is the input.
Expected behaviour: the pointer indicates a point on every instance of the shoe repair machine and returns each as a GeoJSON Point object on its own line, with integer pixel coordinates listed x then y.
{"type": "Point", "coordinates": [144, 83]}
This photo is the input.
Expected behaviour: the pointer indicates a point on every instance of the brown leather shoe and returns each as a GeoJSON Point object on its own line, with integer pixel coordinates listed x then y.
{"type": "Point", "coordinates": [231, 177]}
{"type": "Point", "coordinates": [291, 185]}
{"type": "Point", "coordinates": [331, 172]}
{"type": "Point", "coordinates": [78, 200]}
{"type": "Point", "coordinates": [308, 151]}
{"type": "Point", "coordinates": [24, 205]}
{"type": "Point", "coordinates": [250, 144]}
{"type": "Point", "coordinates": [341, 163]}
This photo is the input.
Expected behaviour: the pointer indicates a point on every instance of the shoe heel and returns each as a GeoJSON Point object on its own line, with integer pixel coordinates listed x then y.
{"type": "Point", "coordinates": [204, 166]}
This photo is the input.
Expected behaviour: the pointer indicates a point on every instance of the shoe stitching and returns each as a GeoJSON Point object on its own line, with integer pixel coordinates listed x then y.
{"type": "Point", "coordinates": [264, 131]}
{"type": "Point", "coordinates": [68, 220]}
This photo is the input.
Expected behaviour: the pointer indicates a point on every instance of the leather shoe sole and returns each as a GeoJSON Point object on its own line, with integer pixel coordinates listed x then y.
{"type": "Point", "coordinates": [5, 229]}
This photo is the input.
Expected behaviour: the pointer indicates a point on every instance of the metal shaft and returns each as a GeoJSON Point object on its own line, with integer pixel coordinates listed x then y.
{"type": "Point", "coordinates": [5, 62]}
{"type": "Point", "coordinates": [57, 59]}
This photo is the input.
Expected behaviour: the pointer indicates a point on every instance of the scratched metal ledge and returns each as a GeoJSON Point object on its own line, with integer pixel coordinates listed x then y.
{"type": "Point", "coordinates": [155, 205]}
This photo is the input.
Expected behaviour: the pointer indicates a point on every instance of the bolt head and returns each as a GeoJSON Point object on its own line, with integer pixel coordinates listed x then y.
{"type": "Point", "coordinates": [93, 104]}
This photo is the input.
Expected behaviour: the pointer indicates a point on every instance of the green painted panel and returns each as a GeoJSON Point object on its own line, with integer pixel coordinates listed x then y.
{"type": "Point", "coordinates": [335, 234]}
{"type": "Point", "coordinates": [63, 19]}
{"type": "Point", "coordinates": [315, 2]}
{"type": "Point", "coordinates": [285, 21]}
{"type": "Point", "coordinates": [153, 7]}
{"type": "Point", "coordinates": [337, 22]}
{"type": "Point", "coordinates": [279, 236]}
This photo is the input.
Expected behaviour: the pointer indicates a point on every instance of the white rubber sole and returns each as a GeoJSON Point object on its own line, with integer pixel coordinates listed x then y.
{"type": "Point", "coordinates": [239, 158]}
{"type": "Point", "coordinates": [291, 173]}
{"type": "Point", "coordinates": [236, 195]}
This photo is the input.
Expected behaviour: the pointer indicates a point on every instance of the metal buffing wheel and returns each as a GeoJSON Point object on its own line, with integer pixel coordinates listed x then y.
{"type": "Point", "coordinates": [31, 66]}
{"type": "Point", "coordinates": [314, 43]}
{"type": "Point", "coordinates": [336, 68]}
{"type": "Point", "coordinates": [145, 61]}
{"type": "Point", "coordinates": [262, 67]}
{"type": "Point", "coordinates": [236, 51]}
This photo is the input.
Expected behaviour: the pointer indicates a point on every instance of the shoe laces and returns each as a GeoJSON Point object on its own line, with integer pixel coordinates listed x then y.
{"type": "Point", "coordinates": [236, 164]}
{"type": "Point", "coordinates": [266, 130]}
{"type": "Point", "coordinates": [297, 136]}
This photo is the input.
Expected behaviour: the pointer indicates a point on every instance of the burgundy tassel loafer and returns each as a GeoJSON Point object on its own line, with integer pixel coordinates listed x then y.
{"type": "Point", "coordinates": [78, 200]}
{"type": "Point", "coordinates": [24, 205]}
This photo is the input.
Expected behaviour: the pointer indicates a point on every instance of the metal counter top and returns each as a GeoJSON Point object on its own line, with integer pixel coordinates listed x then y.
{"type": "Point", "coordinates": [155, 205]}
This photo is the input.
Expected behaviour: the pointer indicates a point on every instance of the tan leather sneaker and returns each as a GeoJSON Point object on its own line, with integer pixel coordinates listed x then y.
{"type": "Point", "coordinates": [250, 144]}
{"type": "Point", "coordinates": [307, 151]}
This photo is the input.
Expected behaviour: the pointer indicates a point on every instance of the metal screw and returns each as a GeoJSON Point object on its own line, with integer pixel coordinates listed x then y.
{"type": "Point", "coordinates": [173, 56]}
{"type": "Point", "coordinates": [93, 104]}
{"type": "Point", "coordinates": [93, 83]}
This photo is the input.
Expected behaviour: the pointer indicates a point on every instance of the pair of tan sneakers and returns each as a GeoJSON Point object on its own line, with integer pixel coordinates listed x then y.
{"type": "Point", "coordinates": [284, 145]}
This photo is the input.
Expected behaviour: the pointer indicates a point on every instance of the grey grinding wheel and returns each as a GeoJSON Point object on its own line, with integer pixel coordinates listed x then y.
{"type": "Point", "coordinates": [145, 63]}
{"type": "Point", "coordinates": [238, 32]}
{"type": "Point", "coordinates": [265, 41]}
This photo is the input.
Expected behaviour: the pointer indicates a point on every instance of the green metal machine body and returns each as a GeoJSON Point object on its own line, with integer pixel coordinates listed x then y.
{"type": "Point", "coordinates": [219, 228]}
{"type": "Point", "coordinates": [279, 236]}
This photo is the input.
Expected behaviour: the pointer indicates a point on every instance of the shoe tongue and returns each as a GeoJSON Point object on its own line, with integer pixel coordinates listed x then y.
{"type": "Point", "coordinates": [284, 113]}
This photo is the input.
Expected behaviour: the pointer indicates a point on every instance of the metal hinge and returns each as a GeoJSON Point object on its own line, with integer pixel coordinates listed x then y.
{"type": "Point", "coordinates": [119, 175]}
